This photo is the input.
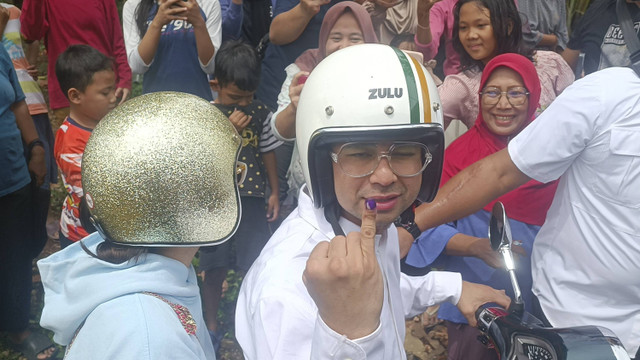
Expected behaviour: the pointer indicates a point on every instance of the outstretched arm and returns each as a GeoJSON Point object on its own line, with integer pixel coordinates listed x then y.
{"type": "Point", "coordinates": [471, 189]}
{"type": "Point", "coordinates": [288, 26]}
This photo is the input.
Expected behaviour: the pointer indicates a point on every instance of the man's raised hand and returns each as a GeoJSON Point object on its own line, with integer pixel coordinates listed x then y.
{"type": "Point", "coordinates": [345, 281]}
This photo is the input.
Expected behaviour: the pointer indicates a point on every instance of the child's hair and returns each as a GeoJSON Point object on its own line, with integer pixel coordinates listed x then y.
{"type": "Point", "coordinates": [507, 30]}
{"type": "Point", "coordinates": [76, 65]}
{"type": "Point", "coordinates": [400, 38]}
{"type": "Point", "coordinates": [142, 15]}
{"type": "Point", "coordinates": [238, 63]}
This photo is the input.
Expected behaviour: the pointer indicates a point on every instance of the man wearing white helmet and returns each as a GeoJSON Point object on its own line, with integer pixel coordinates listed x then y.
{"type": "Point", "coordinates": [368, 132]}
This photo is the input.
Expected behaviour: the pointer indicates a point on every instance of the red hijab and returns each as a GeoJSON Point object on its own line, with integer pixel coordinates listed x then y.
{"type": "Point", "coordinates": [312, 57]}
{"type": "Point", "coordinates": [528, 203]}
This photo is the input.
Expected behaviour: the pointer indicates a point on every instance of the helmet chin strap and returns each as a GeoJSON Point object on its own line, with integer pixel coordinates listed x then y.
{"type": "Point", "coordinates": [332, 214]}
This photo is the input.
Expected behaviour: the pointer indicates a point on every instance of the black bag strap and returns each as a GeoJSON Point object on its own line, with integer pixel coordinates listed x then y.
{"type": "Point", "coordinates": [630, 36]}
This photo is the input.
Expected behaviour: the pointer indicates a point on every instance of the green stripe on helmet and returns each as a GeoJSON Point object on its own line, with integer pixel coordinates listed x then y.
{"type": "Point", "coordinates": [414, 99]}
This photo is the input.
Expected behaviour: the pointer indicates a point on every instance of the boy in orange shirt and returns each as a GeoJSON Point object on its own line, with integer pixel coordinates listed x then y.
{"type": "Point", "coordinates": [87, 78]}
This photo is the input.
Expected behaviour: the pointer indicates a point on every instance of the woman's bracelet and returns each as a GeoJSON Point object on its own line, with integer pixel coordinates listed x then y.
{"type": "Point", "coordinates": [423, 27]}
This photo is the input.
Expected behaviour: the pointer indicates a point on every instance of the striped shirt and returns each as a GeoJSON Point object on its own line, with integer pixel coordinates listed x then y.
{"type": "Point", "coordinates": [13, 44]}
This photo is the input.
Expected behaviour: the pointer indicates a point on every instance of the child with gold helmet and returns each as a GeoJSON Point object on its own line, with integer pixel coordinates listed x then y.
{"type": "Point", "coordinates": [159, 175]}
{"type": "Point", "coordinates": [371, 143]}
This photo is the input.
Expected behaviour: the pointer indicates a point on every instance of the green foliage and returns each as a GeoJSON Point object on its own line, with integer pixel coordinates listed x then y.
{"type": "Point", "coordinates": [227, 309]}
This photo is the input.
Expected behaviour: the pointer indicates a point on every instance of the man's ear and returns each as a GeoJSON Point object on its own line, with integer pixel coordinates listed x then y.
{"type": "Point", "coordinates": [74, 95]}
{"type": "Point", "coordinates": [215, 85]}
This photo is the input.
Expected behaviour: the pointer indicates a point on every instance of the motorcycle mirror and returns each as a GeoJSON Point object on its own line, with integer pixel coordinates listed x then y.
{"type": "Point", "coordinates": [500, 238]}
{"type": "Point", "coordinates": [499, 230]}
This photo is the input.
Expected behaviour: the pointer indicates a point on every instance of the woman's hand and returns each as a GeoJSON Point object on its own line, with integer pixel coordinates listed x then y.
{"type": "Point", "coordinates": [193, 14]}
{"type": "Point", "coordinates": [169, 10]}
{"type": "Point", "coordinates": [296, 88]}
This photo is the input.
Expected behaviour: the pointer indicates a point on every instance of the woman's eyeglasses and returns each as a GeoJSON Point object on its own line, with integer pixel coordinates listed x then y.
{"type": "Point", "coordinates": [516, 96]}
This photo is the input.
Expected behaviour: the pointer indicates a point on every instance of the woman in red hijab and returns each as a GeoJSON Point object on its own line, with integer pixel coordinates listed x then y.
{"type": "Point", "coordinates": [509, 96]}
{"type": "Point", "coordinates": [345, 24]}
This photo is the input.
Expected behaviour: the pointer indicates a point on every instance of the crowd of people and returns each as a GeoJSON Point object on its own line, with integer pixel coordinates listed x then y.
{"type": "Point", "coordinates": [341, 108]}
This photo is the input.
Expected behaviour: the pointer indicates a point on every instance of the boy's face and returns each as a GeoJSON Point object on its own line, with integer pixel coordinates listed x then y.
{"type": "Point", "coordinates": [393, 194]}
{"type": "Point", "coordinates": [98, 98]}
{"type": "Point", "coordinates": [230, 94]}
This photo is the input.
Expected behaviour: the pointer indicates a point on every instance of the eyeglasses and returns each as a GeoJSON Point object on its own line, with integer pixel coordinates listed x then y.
{"type": "Point", "coordinates": [516, 95]}
{"type": "Point", "coordinates": [406, 159]}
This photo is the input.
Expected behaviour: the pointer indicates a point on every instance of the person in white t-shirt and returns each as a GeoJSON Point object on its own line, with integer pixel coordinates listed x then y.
{"type": "Point", "coordinates": [368, 133]}
{"type": "Point", "coordinates": [585, 258]}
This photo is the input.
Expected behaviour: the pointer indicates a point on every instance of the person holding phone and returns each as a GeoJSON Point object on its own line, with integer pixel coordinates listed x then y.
{"type": "Point", "coordinates": [173, 43]}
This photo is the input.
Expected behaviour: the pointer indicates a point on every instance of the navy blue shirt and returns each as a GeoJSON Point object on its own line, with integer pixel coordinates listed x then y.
{"type": "Point", "coordinates": [176, 66]}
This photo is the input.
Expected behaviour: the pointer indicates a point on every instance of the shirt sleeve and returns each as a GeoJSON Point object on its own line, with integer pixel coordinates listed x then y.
{"type": "Point", "coordinates": [276, 331]}
{"type": "Point", "coordinates": [119, 53]}
{"type": "Point", "coordinates": [430, 245]}
{"type": "Point", "coordinates": [567, 126]}
{"type": "Point", "coordinates": [283, 99]}
{"type": "Point", "coordinates": [231, 20]}
{"type": "Point", "coordinates": [420, 292]}
{"type": "Point", "coordinates": [561, 31]}
{"type": "Point", "coordinates": [13, 77]}
{"type": "Point", "coordinates": [558, 69]}
{"type": "Point", "coordinates": [268, 141]}
{"type": "Point", "coordinates": [132, 38]}
{"type": "Point", "coordinates": [69, 160]}
{"type": "Point", "coordinates": [459, 97]}
{"type": "Point", "coordinates": [328, 344]}
{"type": "Point", "coordinates": [214, 28]}
{"type": "Point", "coordinates": [34, 22]}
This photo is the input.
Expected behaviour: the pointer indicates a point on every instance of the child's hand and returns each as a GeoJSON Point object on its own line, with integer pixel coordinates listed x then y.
{"type": "Point", "coordinates": [273, 207]}
{"type": "Point", "coordinates": [239, 120]}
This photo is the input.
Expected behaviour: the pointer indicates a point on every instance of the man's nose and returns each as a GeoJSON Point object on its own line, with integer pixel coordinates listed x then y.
{"type": "Point", "coordinates": [383, 174]}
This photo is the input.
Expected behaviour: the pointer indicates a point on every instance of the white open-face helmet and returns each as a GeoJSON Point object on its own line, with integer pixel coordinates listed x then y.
{"type": "Point", "coordinates": [367, 93]}
{"type": "Point", "coordinates": [160, 170]}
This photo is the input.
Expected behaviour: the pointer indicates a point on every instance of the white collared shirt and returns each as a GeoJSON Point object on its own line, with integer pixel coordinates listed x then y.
{"type": "Point", "coordinates": [586, 257]}
{"type": "Point", "coordinates": [277, 319]}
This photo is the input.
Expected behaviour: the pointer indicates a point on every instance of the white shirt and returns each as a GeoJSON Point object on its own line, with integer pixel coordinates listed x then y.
{"type": "Point", "coordinates": [586, 257]}
{"type": "Point", "coordinates": [277, 319]}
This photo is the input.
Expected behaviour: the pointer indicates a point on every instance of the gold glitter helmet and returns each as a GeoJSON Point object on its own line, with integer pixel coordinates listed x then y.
{"type": "Point", "coordinates": [161, 170]}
